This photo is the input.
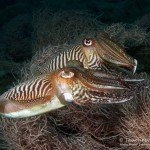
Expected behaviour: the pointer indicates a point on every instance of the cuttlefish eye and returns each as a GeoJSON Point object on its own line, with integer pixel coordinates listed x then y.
{"type": "Point", "coordinates": [66, 74]}
{"type": "Point", "coordinates": [87, 42]}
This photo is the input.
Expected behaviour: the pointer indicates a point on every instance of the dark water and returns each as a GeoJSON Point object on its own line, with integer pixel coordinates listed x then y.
{"type": "Point", "coordinates": [19, 36]}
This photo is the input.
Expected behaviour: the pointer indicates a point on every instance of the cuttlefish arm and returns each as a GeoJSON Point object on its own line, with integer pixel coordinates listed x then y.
{"type": "Point", "coordinates": [115, 76]}
{"type": "Point", "coordinates": [84, 86]}
{"type": "Point", "coordinates": [107, 53]}
{"type": "Point", "coordinates": [57, 89]}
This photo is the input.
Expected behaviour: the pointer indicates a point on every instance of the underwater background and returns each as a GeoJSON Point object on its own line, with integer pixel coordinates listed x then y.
{"type": "Point", "coordinates": [27, 26]}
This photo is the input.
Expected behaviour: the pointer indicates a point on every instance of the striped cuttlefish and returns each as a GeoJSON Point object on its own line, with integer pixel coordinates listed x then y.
{"type": "Point", "coordinates": [62, 87]}
{"type": "Point", "coordinates": [94, 53]}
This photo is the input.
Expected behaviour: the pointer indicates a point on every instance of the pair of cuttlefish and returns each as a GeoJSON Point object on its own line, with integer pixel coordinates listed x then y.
{"type": "Point", "coordinates": [77, 75]}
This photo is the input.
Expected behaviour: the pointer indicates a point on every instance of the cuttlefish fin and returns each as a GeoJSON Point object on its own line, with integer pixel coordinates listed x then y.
{"type": "Point", "coordinates": [22, 112]}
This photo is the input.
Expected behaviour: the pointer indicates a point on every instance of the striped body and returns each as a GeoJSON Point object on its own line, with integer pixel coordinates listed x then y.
{"type": "Point", "coordinates": [35, 96]}
{"type": "Point", "coordinates": [61, 60]}
{"type": "Point", "coordinates": [31, 91]}
{"type": "Point", "coordinates": [76, 53]}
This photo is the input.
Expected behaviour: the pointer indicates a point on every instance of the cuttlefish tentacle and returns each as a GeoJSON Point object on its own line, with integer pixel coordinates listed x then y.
{"type": "Point", "coordinates": [115, 53]}
{"type": "Point", "coordinates": [57, 89]}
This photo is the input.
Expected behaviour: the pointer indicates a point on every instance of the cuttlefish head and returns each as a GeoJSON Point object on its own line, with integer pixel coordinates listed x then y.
{"type": "Point", "coordinates": [106, 52]}
{"type": "Point", "coordinates": [83, 86]}
{"type": "Point", "coordinates": [60, 88]}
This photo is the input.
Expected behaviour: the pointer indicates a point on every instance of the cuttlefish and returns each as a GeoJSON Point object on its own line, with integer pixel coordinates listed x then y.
{"type": "Point", "coordinates": [61, 87]}
{"type": "Point", "coordinates": [94, 53]}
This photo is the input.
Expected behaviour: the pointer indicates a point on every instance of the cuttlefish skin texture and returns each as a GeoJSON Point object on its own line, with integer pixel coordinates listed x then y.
{"type": "Point", "coordinates": [94, 53]}
{"type": "Point", "coordinates": [59, 88]}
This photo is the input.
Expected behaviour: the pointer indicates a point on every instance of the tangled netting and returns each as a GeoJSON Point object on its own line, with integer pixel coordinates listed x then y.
{"type": "Point", "coordinates": [87, 127]}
